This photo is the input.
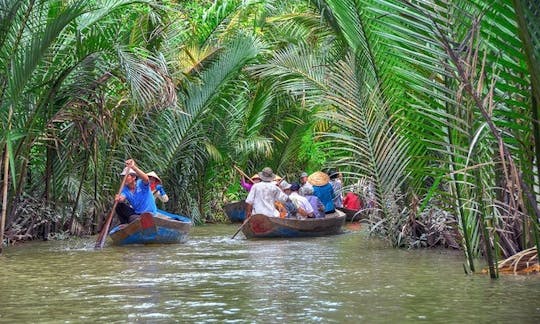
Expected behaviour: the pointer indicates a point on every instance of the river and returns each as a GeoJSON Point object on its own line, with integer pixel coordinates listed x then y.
{"type": "Point", "coordinates": [347, 278]}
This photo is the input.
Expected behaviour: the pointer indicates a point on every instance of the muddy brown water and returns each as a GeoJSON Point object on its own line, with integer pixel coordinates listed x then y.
{"type": "Point", "coordinates": [349, 278]}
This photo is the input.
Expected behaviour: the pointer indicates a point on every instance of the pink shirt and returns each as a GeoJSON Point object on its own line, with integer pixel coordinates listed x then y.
{"type": "Point", "coordinates": [246, 185]}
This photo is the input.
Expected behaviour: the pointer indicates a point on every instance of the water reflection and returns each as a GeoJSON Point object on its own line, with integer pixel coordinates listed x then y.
{"type": "Point", "coordinates": [211, 278]}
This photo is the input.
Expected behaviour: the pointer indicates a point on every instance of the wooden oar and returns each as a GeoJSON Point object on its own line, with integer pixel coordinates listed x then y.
{"type": "Point", "coordinates": [100, 242]}
{"type": "Point", "coordinates": [239, 228]}
{"type": "Point", "coordinates": [242, 173]}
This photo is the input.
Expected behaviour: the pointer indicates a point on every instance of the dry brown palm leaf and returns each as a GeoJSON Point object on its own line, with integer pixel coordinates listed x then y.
{"type": "Point", "coordinates": [523, 262]}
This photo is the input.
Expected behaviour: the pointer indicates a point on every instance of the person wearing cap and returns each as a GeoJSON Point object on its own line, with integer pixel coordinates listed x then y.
{"type": "Point", "coordinates": [253, 180]}
{"type": "Point", "coordinates": [263, 195]}
{"type": "Point", "coordinates": [304, 184]}
{"type": "Point", "coordinates": [286, 209]}
{"type": "Point", "coordinates": [136, 192]}
{"type": "Point", "coordinates": [157, 189]}
{"type": "Point", "coordinates": [303, 206]}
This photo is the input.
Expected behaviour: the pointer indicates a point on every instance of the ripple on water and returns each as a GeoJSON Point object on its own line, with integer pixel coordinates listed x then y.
{"type": "Point", "coordinates": [345, 278]}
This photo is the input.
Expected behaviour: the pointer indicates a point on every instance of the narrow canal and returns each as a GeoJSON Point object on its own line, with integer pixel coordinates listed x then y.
{"type": "Point", "coordinates": [348, 278]}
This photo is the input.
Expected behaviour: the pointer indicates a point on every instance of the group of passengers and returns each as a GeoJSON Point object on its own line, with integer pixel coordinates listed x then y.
{"type": "Point", "coordinates": [313, 196]}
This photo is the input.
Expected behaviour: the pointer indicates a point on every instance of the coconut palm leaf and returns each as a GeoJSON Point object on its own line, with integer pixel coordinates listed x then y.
{"type": "Point", "coordinates": [177, 146]}
{"type": "Point", "coordinates": [375, 148]}
{"type": "Point", "coordinates": [448, 116]}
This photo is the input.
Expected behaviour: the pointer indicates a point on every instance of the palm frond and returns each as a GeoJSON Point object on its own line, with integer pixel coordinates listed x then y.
{"type": "Point", "coordinates": [179, 146]}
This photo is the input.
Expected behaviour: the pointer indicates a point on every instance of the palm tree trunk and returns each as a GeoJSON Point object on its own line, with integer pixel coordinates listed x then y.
{"type": "Point", "coordinates": [95, 215]}
{"type": "Point", "coordinates": [4, 197]}
{"type": "Point", "coordinates": [491, 261]}
{"type": "Point", "coordinates": [47, 192]}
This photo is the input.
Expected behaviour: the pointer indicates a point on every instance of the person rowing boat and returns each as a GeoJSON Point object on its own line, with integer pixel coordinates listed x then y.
{"type": "Point", "coordinates": [263, 195]}
{"type": "Point", "coordinates": [136, 192]}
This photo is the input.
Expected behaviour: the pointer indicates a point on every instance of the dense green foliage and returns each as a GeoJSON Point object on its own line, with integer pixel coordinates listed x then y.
{"type": "Point", "coordinates": [434, 103]}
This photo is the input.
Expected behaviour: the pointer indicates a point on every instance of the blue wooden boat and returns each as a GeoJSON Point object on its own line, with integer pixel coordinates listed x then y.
{"type": "Point", "coordinates": [162, 228]}
{"type": "Point", "coordinates": [236, 211]}
{"type": "Point", "coordinates": [262, 226]}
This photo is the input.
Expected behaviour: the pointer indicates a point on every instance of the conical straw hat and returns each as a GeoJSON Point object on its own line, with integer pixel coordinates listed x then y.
{"type": "Point", "coordinates": [318, 178]}
{"type": "Point", "coordinates": [154, 175]}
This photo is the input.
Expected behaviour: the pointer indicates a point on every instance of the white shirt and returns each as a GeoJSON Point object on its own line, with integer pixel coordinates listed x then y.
{"type": "Point", "coordinates": [301, 202]}
{"type": "Point", "coordinates": [305, 185]}
{"type": "Point", "coordinates": [262, 197]}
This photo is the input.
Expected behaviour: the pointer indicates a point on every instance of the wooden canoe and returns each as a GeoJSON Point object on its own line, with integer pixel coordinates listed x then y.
{"type": "Point", "coordinates": [352, 215]}
{"type": "Point", "coordinates": [163, 228]}
{"type": "Point", "coordinates": [262, 226]}
{"type": "Point", "coordinates": [236, 211]}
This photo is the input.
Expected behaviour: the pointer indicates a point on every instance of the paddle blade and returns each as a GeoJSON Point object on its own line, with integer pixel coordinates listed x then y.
{"type": "Point", "coordinates": [100, 242]}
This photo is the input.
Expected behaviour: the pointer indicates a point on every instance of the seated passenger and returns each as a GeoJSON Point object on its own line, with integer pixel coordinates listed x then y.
{"type": "Point", "coordinates": [315, 202]}
{"type": "Point", "coordinates": [335, 181]}
{"type": "Point", "coordinates": [304, 184]}
{"type": "Point", "coordinates": [323, 190]}
{"type": "Point", "coordinates": [156, 187]}
{"type": "Point", "coordinates": [352, 201]}
{"type": "Point", "coordinates": [290, 208]}
{"type": "Point", "coordinates": [305, 209]}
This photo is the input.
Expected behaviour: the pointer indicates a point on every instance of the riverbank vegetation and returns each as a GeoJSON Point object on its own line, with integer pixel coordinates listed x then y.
{"type": "Point", "coordinates": [435, 103]}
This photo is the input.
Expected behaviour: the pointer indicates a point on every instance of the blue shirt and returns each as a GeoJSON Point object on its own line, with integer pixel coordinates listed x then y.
{"type": "Point", "coordinates": [326, 195]}
{"type": "Point", "coordinates": [142, 199]}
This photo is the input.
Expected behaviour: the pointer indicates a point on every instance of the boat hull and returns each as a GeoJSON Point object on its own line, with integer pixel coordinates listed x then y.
{"type": "Point", "coordinates": [353, 215]}
{"type": "Point", "coordinates": [148, 229]}
{"type": "Point", "coordinates": [262, 226]}
{"type": "Point", "coordinates": [236, 211]}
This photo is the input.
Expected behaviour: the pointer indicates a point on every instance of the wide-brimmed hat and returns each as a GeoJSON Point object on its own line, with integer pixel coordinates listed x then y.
{"type": "Point", "coordinates": [318, 178]}
{"type": "Point", "coordinates": [128, 170]}
{"type": "Point", "coordinates": [153, 175]}
{"type": "Point", "coordinates": [255, 176]}
{"type": "Point", "coordinates": [267, 174]}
